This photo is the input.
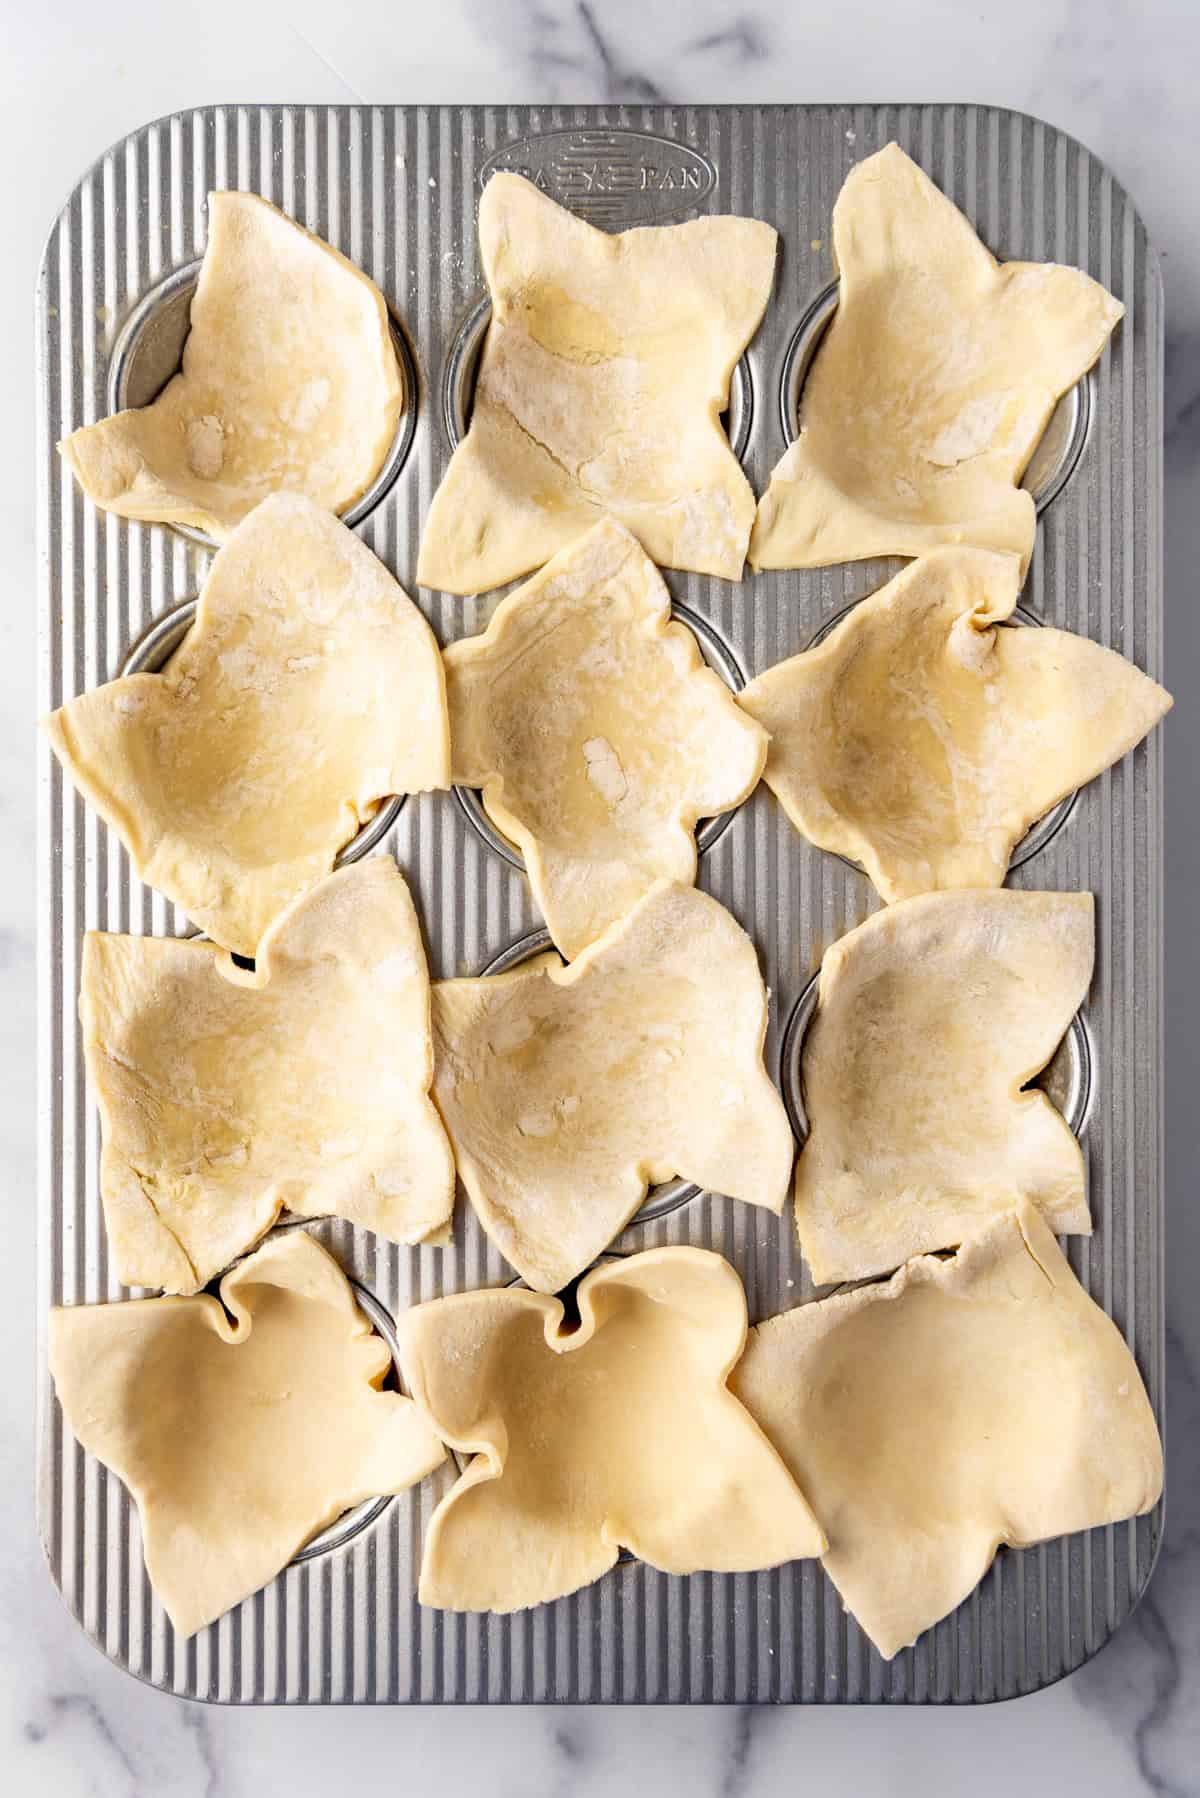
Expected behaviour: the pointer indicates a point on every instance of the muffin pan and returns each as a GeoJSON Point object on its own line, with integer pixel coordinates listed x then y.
{"type": "Point", "coordinates": [395, 189]}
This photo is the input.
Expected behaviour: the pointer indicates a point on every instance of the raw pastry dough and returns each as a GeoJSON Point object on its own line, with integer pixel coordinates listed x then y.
{"type": "Point", "coordinates": [308, 688]}
{"type": "Point", "coordinates": [597, 733]}
{"type": "Point", "coordinates": [922, 739]}
{"type": "Point", "coordinates": [621, 1433]}
{"type": "Point", "coordinates": [601, 387]}
{"type": "Point", "coordinates": [240, 1436]}
{"type": "Point", "coordinates": [962, 1404]}
{"type": "Point", "coordinates": [289, 381]}
{"type": "Point", "coordinates": [931, 387]}
{"type": "Point", "coordinates": [225, 1095]}
{"type": "Point", "coordinates": [567, 1092]}
{"type": "Point", "coordinates": [932, 1017]}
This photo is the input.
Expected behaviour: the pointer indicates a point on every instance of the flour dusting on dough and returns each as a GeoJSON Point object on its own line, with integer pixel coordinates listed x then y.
{"type": "Point", "coordinates": [604, 770]}
{"type": "Point", "coordinates": [206, 446]}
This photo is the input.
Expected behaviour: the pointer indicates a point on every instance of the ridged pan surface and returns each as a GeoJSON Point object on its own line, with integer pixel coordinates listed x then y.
{"type": "Point", "coordinates": [396, 190]}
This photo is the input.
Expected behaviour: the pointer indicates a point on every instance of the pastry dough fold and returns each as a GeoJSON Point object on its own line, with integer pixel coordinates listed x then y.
{"type": "Point", "coordinates": [962, 1404]}
{"type": "Point", "coordinates": [922, 738]}
{"type": "Point", "coordinates": [241, 1426]}
{"type": "Point", "coordinates": [932, 1019]}
{"type": "Point", "coordinates": [308, 689]}
{"type": "Point", "coordinates": [931, 387]}
{"type": "Point", "coordinates": [603, 378]}
{"type": "Point", "coordinates": [620, 1433]}
{"type": "Point", "coordinates": [226, 1095]}
{"type": "Point", "coordinates": [567, 1092]}
{"type": "Point", "coordinates": [596, 732]}
{"type": "Point", "coordinates": [289, 383]}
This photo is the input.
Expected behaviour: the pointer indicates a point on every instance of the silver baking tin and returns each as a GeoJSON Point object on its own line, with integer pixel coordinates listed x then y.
{"type": "Point", "coordinates": [396, 190]}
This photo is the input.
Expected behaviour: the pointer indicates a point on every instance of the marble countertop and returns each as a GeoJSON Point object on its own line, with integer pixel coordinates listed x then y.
{"type": "Point", "coordinates": [1117, 73]}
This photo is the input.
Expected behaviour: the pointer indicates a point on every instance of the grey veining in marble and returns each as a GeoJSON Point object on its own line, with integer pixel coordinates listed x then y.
{"type": "Point", "coordinates": [1121, 76]}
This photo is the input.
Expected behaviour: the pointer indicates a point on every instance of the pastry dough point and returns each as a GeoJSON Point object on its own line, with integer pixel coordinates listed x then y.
{"type": "Point", "coordinates": [226, 1095]}
{"type": "Point", "coordinates": [922, 739]}
{"type": "Point", "coordinates": [621, 1433]}
{"type": "Point", "coordinates": [596, 732]}
{"type": "Point", "coordinates": [932, 386]}
{"type": "Point", "coordinates": [601, 386]}
{"type": "Point", "coordinates": [309, 688]}
{"type": "Point", "coordinates": [960, 1405]}
{"type": "Point", "coordinates": [932, 1017]}
{"type": "Point", "coordinates": [289, 383]}
{"type": "Point", "coordinates": [239, 1436]}
{"type": "Point", "coordinates": [568, 1092]}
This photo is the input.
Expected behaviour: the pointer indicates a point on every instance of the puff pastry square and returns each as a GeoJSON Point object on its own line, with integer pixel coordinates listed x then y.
{"type": "Point", "coordinates": [289, 382]}
{"type": "Point", "coordinates": [308, 688]}
{"type": "Point", "coordinates": [596, 732]}
{"type": "Point", "coordinates": [241, 1427]}
{"type": "Point", "coordinates": [963, 1404]}
{"type": "Point", "coordinates": [932, 386]}
{"type": "Point", "coordinates": [603, 378]}
{"type": "Point", "coordinates": [619, 1433]}
{"type": "Point", "coordinates": [226, 1094]}
{"type": "Point", "coordinates": [922, 738]}
{"type": "Point", "coordinates": [932, 1017]}
{"type": "Point", "coordinates": [567, 1092]}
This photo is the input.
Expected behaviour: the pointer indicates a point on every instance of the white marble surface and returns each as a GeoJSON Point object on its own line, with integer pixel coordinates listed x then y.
{"type": "Point", "coordinates": [1121, 75]}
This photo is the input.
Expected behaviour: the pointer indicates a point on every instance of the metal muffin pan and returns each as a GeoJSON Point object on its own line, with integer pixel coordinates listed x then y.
{"type": "Point", "coordinates": [570, 1302]}
{"type": "Point", "coordinates": [395, 189]}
